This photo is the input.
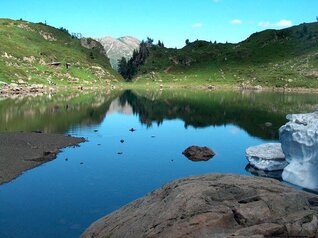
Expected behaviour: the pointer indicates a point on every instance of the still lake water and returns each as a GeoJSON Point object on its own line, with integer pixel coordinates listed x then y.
{"type": "Point", "coordinates": [61, 198]}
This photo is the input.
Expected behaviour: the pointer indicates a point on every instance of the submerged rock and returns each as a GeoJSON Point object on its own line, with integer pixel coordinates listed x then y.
{"type": "Point", "coordinates": [196, 153]}
{"type": "Point", "coordinates": [215, 205]}
{"type": "Point", "coordinates": [277, 174]}
{"type": "Point", "coordinates": [269, 157]}
{"type": "Point", "coordinates": [299, 138]}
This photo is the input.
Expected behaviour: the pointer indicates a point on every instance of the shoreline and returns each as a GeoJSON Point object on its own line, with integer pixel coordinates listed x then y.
{"type": "Point", "coordinates": [39, 90]}
{"type": "Point", "coordinates": [22, 151]}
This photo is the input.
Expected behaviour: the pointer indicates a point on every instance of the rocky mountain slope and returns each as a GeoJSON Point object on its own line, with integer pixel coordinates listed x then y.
{"type": "Point", "coordinates": [118, 48]}
{"type": "Point", "coordinates": [282, 58]}
{"type": "Point", "coordinates": [36, 53]}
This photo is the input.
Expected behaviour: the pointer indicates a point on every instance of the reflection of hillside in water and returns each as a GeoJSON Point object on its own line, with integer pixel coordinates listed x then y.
{"type": "Point", "coordinates": [54, 113]}
{"type": "Point", "coordinates": [199, 109]}
{"type": "Point", "coordinates": [117, 107]}
{"type": "Point", "coordinates": [250, 111]}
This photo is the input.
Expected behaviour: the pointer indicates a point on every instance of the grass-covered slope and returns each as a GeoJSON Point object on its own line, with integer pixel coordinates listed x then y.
{"type": "Point", "coordinates": [283, 58]}
{"type": "Point", "coordinates": [26, 49]}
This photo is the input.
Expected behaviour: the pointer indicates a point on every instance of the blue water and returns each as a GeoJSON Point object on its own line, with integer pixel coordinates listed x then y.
{"type": "Point", "coordinates": [63, 197]}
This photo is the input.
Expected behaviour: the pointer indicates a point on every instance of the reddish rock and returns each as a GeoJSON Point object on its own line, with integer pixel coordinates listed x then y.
{"type": "Point", "coordinates": [196, 153]}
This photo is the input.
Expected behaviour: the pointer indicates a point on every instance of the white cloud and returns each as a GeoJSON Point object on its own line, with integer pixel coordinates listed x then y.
{"type": "Point", "coordinates": [265, 24]}
{"type": "Point", "coordinates": [197, 25]}
{"type": "Point", "coordinates": [281, 23]}
{"type": "Point", "coordinates": [236, 22]}
{"type": "Point", "coordinates": [284, 23]}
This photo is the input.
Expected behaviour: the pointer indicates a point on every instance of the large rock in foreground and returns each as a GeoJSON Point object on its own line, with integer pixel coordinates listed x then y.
{"type": "Point", "coordinates": [214, 205]}
{"type": "Point", "coordinates": [299, 138]}
{"type": "Point", "coordinates": [268, 157]}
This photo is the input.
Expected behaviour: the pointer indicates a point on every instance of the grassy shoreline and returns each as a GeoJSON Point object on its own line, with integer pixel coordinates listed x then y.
{"type": "Point", "coordinates": [24, 90]}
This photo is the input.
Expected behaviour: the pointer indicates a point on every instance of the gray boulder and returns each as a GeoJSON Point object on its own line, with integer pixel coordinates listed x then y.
{"type": "Point", "coordinates": [215, 205]}
{"type": "Point", "coordinates": [269, 157]}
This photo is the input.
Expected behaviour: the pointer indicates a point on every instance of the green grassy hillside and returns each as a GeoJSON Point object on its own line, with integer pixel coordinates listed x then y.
{"type": "Point", "coordinates": [282, 58]}
{"type": "Point", "coordinates": [26, 49]}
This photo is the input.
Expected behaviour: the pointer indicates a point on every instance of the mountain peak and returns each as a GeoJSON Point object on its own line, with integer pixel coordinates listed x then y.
{"type": "Point", "coordinates": [118, 48]}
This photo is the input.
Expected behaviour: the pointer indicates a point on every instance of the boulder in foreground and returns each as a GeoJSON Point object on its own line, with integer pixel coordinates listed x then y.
{"type": "Point", "coordinates": [197, 153]}
{"type": "Point", "coordinates": [268, 157]}
{"type": "Point", "coordinates": [215, 205]}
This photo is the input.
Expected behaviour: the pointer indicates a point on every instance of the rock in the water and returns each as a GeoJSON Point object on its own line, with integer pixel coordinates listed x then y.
{"type": "Point", "coordinates": [299, 138]}
{"type": "Point", "coordinates": [196, 153]}
{"type": "Point", "coordinates": [269, 157]}
{"type": "Point", "coordinates": [215, 205]}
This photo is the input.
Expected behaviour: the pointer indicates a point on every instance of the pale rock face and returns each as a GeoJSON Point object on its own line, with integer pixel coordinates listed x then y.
{"type": "Point", "coordinates": [299, 139]}
{"type": "Point", "coordinates": [268, 157]}
{"type": "Point", "coordinates": [118, 48]}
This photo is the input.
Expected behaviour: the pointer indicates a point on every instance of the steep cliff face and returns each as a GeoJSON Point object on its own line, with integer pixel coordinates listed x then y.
{"type": "Point", "coordinates": [118, 48]}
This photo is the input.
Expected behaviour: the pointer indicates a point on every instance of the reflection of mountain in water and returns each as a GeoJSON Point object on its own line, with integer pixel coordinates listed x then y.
{"type": "Point", "coordinates": [57, 113]}
{"type": "Point", "coordinates": [249, 111]}
{"type": "Point", "coordinates": [117, 107]}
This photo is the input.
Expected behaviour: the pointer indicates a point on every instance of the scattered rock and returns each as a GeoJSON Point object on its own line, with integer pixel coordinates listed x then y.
{"type": "Point", "coordinates": [122, 141]}
{"type": "Point", "coordinates": [268, 124]}
{"type": "Point", "coordinates": [299, 138]}
{"type": "Point", "coordinates": [196, 153]}
{"type": "Point", "coordinates": [132, 130]}
{"type": "Point", "coordinates": [24, 89]}
{"type": "Point", "coordinates": [120, 153]}
{"type": "Point", "coordinates": [269, 157]}
{"type": "Point", "coordinates": [214, 205]}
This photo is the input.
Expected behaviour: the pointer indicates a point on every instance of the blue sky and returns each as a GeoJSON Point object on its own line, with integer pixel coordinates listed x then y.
{"type": "Point", "coordinates": [171, 21]}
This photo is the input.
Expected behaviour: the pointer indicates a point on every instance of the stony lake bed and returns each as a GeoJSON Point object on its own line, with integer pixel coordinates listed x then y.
{"type": "Point", "coordinates": [134, 144]}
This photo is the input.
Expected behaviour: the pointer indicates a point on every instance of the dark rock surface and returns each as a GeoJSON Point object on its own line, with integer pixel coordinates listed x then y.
{"type": "Point", "coordinates": [21, 151]}
{"type": "Point", "coordinates": [196, 153]}
{"type": "Point", "coordinates": [215, 205]}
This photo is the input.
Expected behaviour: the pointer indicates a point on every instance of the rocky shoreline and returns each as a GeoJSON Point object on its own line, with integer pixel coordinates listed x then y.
{"type": "Point", "coordinates": [25, 89]}
{"type": "Point", "coordinates": [215, 205]}
{"type": "Point", "coordinates": [21, 151]}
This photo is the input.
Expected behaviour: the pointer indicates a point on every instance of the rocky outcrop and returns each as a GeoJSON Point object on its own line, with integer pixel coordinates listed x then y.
{"type": "Point", "coordinates": [196, 153]}
{"type": "Point", "coordinates": [215, 205]}
{"type": "Point", "coordinates": [268, 157]}
{"type": "Point", "coordinates": [299, 138]}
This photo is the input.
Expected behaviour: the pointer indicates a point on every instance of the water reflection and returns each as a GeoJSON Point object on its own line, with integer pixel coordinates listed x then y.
{"type": "Point", "coordinates": [61, 198]}
{"type": "Point", "coordinates": [267, 174]}
{"type": "Point", "coordinates": [54, 113]}
{"type": "Point", "coordinates": [249, 110]}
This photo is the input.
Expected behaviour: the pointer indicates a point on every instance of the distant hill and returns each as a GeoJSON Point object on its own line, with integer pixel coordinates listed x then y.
{"type": "Point", "coordinates": [282, 58]}
{"type": "Point", "coordinates": [38, 53]}
{"type": "Point", "coordinates": [118, 48]}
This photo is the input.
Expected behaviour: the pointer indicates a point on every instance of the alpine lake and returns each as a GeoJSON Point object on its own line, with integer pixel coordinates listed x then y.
{"type": "Point", "coordinates": [117, 165]}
